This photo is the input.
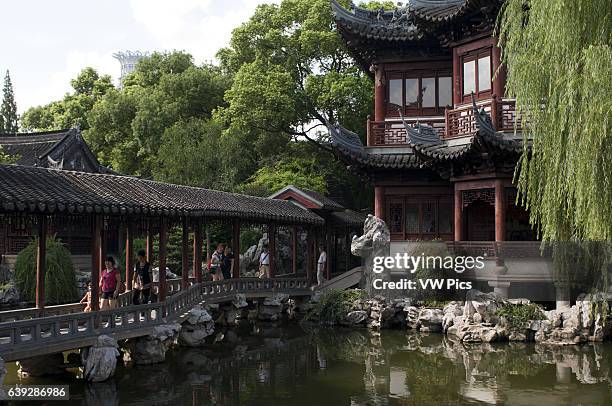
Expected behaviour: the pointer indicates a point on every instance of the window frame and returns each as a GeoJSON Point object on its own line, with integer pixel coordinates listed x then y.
{"type": "Point", "coordinates": [475, 56]}
{"type": "Point", "coordinates": [419, 75]}
{"type": "Point", "coordinates": [419, 201]}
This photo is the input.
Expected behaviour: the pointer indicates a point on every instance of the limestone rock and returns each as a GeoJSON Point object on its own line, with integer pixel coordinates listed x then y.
{"type": "Point", "coordinates": [197, 328]}
{"type": "Point", "coordinates": [100, 360]}
{"type": "Point", "coordinates": [152, 349]}
{"type": "Point", "coordinates": [430, 319]}
{"type": "Point", "coordinates": [240, 301]}
{"type": "Point", "coordinates": [9, 294]}
{"type": "Point", "coordinates": [357, 317]}
{"type": "Point", "coordinates": [412, 317]}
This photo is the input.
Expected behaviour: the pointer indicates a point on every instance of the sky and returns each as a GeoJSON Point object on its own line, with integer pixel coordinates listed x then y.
{"type": "Point", "coordinates": [45, 43]}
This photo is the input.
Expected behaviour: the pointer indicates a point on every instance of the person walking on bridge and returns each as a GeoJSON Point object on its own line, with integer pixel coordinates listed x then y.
{"type": "Point", "coordinates": [321, 265]}
{"type": "Point", "coordinates": [141, 280]}
{"type": "Point", "coordinates": [110, 283]}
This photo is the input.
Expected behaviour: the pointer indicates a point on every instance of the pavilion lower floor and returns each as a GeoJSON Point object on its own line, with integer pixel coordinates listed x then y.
{"type": "Point", "coordinates": [460, 210]}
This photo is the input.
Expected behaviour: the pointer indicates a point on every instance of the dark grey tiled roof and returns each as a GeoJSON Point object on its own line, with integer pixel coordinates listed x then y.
{"type": "Point", "coordinates": [324, 200]}
{"type": "Point", "coordinates": [41, 190]}
{"type": "Point", "coordinates": [415, 20]}
{"type": "Point", "coordinates": [347, 217]}
{"type": "Point", "coordinates": [425, 146]}
{"type": "Point", "coordinates": [30, 147]}
{"type": "Point", "coordinates": [350, 148]}
{"type": "Point", "coordinates": [62, 149]}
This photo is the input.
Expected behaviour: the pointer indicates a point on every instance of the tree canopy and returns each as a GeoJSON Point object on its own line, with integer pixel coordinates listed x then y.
{"type": "Point", "coordinates": [8, 110]}
{"type": "Point", "coordinates": [559, 58]}
{"type": "Point", "coordinates": [74, 108]}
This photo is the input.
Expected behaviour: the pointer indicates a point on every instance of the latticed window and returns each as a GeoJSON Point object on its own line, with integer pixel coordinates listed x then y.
{"type": "Point", "coordinates": [429, 217]}
{"type": "Point", "coordinates": [396, 217]}
{"type": "Point", "coordinates": [412, 218]}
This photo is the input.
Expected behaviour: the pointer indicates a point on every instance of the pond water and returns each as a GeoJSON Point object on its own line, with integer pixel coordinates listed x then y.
{"type": "Point", "coordinates": [268, 365]}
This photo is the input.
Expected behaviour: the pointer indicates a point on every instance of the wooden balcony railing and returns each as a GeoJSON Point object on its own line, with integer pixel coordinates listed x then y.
{"type": "Point", "coordinates": [455, 123]}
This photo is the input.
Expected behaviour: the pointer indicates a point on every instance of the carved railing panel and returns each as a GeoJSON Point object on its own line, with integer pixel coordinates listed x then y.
{"type": "Point", "coordinates": [458, 122]}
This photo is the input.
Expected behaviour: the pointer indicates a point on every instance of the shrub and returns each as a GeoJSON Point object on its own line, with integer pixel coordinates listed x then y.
{"type": "Point", "coordinates": [334, 305]}
{"type": "Point", "coordinates": [60, 278]}
{"type": "Point", "coordinates": [518, 314]}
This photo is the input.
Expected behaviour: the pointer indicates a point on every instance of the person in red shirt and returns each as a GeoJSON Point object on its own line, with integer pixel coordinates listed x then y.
{"type": "Point", "coordinates": [110, 281]}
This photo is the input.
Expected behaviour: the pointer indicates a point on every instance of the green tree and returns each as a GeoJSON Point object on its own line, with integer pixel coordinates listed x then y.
{"type": "Point", "coordinates": [8, 110]}
{"type": "Point", "coordinates": [60, 279]}
{"type": "Point", "coordinates": [300, 172]}
{"type": "Point", "coordinates": [74, 108]}
{"type": "Point", "coordinates": [128, 125]}
{"type": "Point", "coordinates": [292, 72]}
{"type": "Point", "coordinates": [190, 154]}
{"type": "Point", "coordinates": [559, 58]}
{"type": "Point", "coordinates": [6, 158]}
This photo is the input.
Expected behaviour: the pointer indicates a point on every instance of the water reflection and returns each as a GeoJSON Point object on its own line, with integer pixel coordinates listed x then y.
{"type": "Point", "coordinates": [287, 366]}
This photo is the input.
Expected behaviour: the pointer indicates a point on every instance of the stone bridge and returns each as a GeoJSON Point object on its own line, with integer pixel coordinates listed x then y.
{"type": "Point", "coordinates": [23, 334]}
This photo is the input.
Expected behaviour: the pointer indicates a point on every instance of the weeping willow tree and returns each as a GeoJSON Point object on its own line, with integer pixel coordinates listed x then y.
{"type": "Point", "coordinates": [558, 56]}
{"type": "Point", "coordinates": [559, 59]}
{"type": "Point", "coordinates": [60, 280]}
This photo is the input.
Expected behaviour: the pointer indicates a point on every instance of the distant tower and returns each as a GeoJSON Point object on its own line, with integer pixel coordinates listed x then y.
{"type": "Point", "coordinates": [128, 61]}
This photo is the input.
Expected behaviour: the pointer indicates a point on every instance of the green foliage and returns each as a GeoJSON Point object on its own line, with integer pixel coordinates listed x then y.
{"type": "Point", "coordinates": [191, 153]}
{"type": "Point", "coordinates": [582, 265]}
{"type": "Point", "coordinates": [300, 172]}
{"type": "Point", "coordinates": [60, 279]}
{"type": "Point", "coordinates": [6, 158]}
{"type": "Point", "coordinates": [8, 109]}
{"type": "Point", "coordinates": [559, 57]}
{"type": "Point", "coordinates": [334, 305]}
{"type": "Point", "coordinates": [74, 108]}
{"type": "Point", "coordinates": [166, 97]}
{"type": "Point", "coordinates": [518, 314]}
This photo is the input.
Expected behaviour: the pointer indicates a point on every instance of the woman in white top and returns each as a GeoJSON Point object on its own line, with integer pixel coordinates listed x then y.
{"type": "Point", "coordinates": [321, 265]}
{"type": "Point", "coordinates": [264, 263]}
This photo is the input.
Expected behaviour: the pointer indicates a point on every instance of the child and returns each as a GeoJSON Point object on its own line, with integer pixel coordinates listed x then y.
{"type": "Point", "coordinates": [87, 298]}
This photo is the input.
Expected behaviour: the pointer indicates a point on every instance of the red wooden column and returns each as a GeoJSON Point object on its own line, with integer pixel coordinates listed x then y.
{"type": "Point", "coordinates": [41, 262]}
{"type": "Point", "coordinates": [499, 72]}
{"type": "Point", "coordinates": [129, 254]}
{"type": "Point", "coordinates": [294, 248]}
{"type": "Point", "coordinates": [379, 92]}
{"type": "Point", "coordinates": [500, 211]}
{"type": "Point", "coordinates": [184, 256]}
{"type": "Point", "coordinates": [272, 248]}
{"type": "Point", "coordinates": [458, 215]}
{"type": "Point", "coordinates": [347, 248]}
{"type": "Point", "coordinates": [329, 235]}
{"type": "Point", "coordinates": [163, 240]}
{"type": "Point", "coordinates": [309, 254]}
{"type": "Point", "coordinates": [96, 244]}
{"type": "Point", "coordinates": [236, 243]}
{"type": "Point", "coordinates": [197, 250]}
{"type": "Point", "coordinates": [379, 202]}
{"type": "Point", "coordinates": [150, 242]}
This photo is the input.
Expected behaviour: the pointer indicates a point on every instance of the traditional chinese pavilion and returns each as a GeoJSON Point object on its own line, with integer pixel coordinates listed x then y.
{"type": "Point", "coordinates": [441, 148]}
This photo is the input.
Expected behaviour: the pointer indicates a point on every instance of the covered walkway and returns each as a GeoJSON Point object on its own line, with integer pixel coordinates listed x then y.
{"type": "Point", "coordinates": [41, 200]}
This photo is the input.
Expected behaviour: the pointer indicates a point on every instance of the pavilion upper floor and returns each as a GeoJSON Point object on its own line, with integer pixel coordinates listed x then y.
{"type": "Point", "coordinates": [429, 61]}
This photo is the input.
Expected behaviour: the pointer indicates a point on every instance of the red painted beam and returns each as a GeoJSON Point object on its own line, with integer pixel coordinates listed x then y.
{"type": "Point", "coordinates": [184, 256]}
{"type": "Point", "coordinates": [197, 251]}
{"type": "Point", "coordinates": [41, 262]}
{"type": "Point", "coordinates": [236, 247]}
{"type": "Point", "coordinates": [163, 240]}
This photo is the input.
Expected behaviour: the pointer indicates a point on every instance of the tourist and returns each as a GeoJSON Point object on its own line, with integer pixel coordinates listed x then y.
{"type": "Point", "coordinates": [87, 299]}
{"type": "Point", "coordinates": [110, 282]}
{"type": "Point", "coordinates": [264, 263]}
{"type": "Point", "coordinates": [216, 261]}
{"type": "Point", "coordinates": [227, 267]}
{"type": "Point", "coordinates": [141, 280]}
{"type": "Point", "coordinates": [321, 265]}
